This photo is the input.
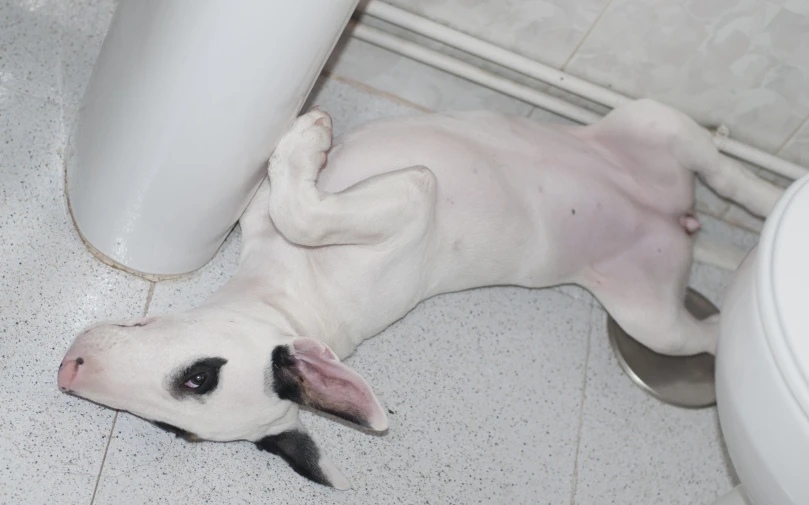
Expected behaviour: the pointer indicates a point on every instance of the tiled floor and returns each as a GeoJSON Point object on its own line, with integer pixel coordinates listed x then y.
{"type": "Point", "coordinates": [499, 395]}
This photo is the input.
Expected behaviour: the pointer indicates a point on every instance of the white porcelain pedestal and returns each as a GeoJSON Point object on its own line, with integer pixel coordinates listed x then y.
{"type": "Point", "coordinates": [187, 100]}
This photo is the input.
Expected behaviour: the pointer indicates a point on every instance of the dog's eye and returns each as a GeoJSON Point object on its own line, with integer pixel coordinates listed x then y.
{"type": "Point", "coordinates": [196, 381]}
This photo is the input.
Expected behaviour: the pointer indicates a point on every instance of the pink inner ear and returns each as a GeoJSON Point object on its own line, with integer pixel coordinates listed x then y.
{"type": "Point", "coordinates": [309, 347]}
{"type": "Point", "coordinates": [336, 388]}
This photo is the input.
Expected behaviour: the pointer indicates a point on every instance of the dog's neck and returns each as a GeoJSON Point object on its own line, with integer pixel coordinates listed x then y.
{"type": "Point", "coordinates": [280, 310]}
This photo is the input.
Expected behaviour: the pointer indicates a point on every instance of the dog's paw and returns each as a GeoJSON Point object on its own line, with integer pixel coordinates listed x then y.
{"type": "Point", "coordinates": [303, 148]}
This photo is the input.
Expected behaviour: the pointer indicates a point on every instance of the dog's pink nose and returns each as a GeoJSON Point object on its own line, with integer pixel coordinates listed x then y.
{"type": "Point", "coordinates": [67, 372]}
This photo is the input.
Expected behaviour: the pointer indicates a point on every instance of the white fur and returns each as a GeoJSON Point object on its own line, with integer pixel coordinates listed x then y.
{"type": "Point", "coordinates": [409, 208]}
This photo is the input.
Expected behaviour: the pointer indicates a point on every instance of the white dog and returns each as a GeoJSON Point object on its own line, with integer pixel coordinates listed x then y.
{"type": "Point", "coordinates": [406, 209]}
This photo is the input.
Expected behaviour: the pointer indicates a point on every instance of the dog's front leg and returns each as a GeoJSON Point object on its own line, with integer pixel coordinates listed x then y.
{"type": "Point", "coordinates": [367, 213]}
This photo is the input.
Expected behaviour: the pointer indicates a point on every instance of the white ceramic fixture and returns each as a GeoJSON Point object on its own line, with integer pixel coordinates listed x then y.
{"type": "Point", "coordinates": [762, 363]}
{"type": "Point", "coordinates": [185, 105]}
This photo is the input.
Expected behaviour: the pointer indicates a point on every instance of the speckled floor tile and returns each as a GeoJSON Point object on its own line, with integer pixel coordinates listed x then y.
{"type": "Point", "coordinates": [50, 46]}
{"type": "Point", "coordinates": [720, 230]}
{"type": "Point", "coordinates": [29, 38]}
{"type": "Point", "coordinates": [484, 390]}
{"type": "Point", "coordinates": [189, 291]}
{"type": "Point", "coordinates": [350, 106]}
{"type": "Point", "coordinates": [575, 292]}
{"type": "Point", "coordinates": [635, 449]}
{"type": "Point", "coordinates": [50, 288]}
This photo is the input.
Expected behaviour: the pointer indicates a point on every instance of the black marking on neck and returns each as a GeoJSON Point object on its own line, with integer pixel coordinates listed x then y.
{"type": "Point", "coordinates": [299, 451]}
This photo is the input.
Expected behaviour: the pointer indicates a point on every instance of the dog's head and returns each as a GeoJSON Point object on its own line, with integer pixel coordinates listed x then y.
{"type": "Point", "coordinates": [212, 375]}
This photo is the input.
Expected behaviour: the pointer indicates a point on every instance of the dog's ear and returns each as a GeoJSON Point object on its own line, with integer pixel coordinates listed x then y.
{"type": "Point", "coordinates": [309, 373]}
{"type": "Point", "coordinates": [297, 448]}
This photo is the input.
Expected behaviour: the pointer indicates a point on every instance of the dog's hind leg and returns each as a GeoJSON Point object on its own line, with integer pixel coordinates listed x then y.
{"type": "Point", "coordinates": [369, 212]}
{"type": "Point", "coordinates": [643, 289]}
{"type": "Point", "coordinates": [645, 130]}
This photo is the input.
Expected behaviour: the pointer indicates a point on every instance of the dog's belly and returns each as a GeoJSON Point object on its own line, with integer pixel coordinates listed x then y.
{"type": "Point", "coordinates": [517, 203]}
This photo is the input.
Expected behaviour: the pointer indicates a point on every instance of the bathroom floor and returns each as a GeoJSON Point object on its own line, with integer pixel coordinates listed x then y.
{"type": "Point", "coordinates": [499, 395]}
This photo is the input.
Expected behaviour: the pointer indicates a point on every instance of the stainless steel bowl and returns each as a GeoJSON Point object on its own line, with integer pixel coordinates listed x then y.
{"type": "Point", "coordinates": [684, 381]}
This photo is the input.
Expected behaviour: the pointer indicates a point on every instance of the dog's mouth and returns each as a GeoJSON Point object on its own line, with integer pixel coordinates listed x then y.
{"type": "Point", "coordinates": [178, 432]}
{"type": "Point", "coordinates": [137, 324]}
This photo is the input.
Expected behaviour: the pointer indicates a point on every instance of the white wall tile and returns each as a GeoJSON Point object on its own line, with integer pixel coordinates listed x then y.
{"type": "Point", "coordinates": [414, 82]}
{"type": "Point", "coordinates": [741, 62]}
{"type": "Point", "coordinates": [546, 30]}
{"type": "Point", "coordinates": [797, 149]}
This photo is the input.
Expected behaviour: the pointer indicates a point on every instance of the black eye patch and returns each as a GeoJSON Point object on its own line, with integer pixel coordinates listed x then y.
{"type": "Point", "coordinates": [199, 378]}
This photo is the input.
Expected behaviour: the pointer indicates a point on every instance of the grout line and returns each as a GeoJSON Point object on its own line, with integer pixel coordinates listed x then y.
{"type": "Point", "coordinates": [378, 92]}
{"type": "Point", "coordinates": [43, 98]}
{"type": "Point", "coordinates": [733, 224]}
{"type": "Point", "coordinates": [791, 136]}
{"type": "Point", "coordinates": [98, 254]}
{"type": "Point", "coordinates": [575, 480]}
{"type": "Point", "coordinates": [586, 36]}
{"type": "Point", "coordinates": [149, 296]}
{"type": "Point", "coordinates": [709, 212]}
{"type": "Point", "coordinates": [104, 458]}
